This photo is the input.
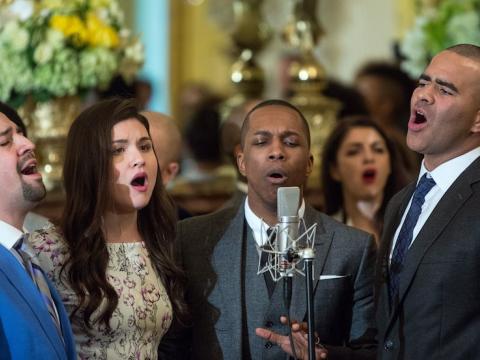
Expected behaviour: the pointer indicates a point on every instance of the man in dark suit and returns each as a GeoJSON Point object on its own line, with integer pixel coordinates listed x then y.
{"type": "Point", "coordinates": [33, 321]}
{"type": "Point", "coordinates": [429, 268]}
{"type": "Point", "coordinates": [229, 301]}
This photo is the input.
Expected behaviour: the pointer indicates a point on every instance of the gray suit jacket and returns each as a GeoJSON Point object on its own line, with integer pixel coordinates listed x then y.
{"type": "Point", "coordinates": [212, 256]}
{"type": "Point", "coordinates": [438, 315]}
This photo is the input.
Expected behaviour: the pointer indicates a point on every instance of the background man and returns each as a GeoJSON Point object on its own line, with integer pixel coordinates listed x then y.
{"type": "Point", "coordinates": [229, 301]}
{"type": "Point", "coordinates": [428, 305]}
{"type": "Point", "coordinates": [167, 142]}
{"type": "Point", "coordinates": [33, 321]}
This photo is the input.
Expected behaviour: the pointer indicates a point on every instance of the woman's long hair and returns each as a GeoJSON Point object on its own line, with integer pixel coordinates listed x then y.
{"type": "Point", "coordinates": [88, 177]}
{"type": "Point", "coordinates": [332, 189]}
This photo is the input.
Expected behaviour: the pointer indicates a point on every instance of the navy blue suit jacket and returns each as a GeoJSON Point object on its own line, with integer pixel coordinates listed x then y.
{"type": "Point", "coordinates": [26, 328]}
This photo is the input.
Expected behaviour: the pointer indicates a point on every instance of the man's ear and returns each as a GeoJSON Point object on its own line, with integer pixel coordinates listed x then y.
{"type": "Point", "coordinates": [476, 124]}
{"type": "Point", "coordinates": [170, 172]}
{"type": "Point", "coordinates": [240, 160]}
{"type": "Point", "coordinates": [310, 164]}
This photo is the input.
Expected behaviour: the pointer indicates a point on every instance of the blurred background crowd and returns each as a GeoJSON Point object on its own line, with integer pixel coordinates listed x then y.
{"type": "Point", "coordinates": [350, 67]}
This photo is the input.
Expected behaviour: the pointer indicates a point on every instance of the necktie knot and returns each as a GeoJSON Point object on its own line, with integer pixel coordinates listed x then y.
{"type": "Point", "coordinates": [19, 246]}
{"type": "Point", "coordinates": [424, 186]}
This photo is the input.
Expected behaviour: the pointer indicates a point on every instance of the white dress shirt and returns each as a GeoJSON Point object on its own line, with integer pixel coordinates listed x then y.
{"type": "Point", "coordinates": [444, 176]}
{"type": "Point", "coordinates": [259, 227]}
{"type": "Point", "coordinates": [9, 235]}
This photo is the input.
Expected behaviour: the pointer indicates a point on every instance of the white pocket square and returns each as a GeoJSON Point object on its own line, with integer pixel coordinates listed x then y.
{"type": "Point", "coordinates": [329, 277]}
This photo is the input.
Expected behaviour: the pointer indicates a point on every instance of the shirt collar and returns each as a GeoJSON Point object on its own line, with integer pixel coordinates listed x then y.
{"type": "Point", "coordinates": [9, 235]}
{"type": "Point", "coordinates": [446, 173]}
{"type": "Point", "coordinates": [258, 226]}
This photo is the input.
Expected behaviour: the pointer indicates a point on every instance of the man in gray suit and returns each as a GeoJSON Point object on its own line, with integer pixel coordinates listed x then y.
{"type": "Point", "coordinates": [429, 263]}
{"type": "Point", "coordinates": [228, 300]}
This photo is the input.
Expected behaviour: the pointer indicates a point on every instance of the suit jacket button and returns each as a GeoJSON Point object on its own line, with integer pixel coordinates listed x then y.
{"type": "Point", "coordinates": [268, 345]}
{"type": "Point", "coordinates": [268, 324]}
{"type": "Point", "coordinates": [388, 345]}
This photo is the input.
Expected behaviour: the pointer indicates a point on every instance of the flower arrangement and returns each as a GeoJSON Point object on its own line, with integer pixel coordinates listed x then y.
{"type": "Point", "coordinates": [65, 47]}
{"type": "Point", "coordinates": [451, 22]}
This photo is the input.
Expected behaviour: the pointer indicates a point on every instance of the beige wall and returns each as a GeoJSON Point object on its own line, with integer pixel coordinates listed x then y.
{"type": "Point", "coordinates": [197, 49]}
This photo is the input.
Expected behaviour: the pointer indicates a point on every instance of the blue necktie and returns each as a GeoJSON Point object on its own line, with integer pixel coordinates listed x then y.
{"type": "Point", "coordinates": [405, 235]}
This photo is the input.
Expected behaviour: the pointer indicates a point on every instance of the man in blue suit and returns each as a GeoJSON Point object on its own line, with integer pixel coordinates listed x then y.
{"type": "Point", "coordinates": [32, 324]}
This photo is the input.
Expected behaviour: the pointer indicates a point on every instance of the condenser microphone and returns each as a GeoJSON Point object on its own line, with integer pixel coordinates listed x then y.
{"type": "Point", "coordinates": [288, 199]}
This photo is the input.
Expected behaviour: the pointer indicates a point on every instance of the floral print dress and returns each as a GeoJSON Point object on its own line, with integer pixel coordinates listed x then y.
{"type": "Point", "coordinates": [144, 311]}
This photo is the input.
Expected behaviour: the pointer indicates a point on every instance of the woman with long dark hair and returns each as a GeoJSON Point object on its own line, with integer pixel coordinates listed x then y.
{"type": "Point", "coordinates": [112, 259]}
{"type": "Point", "coordinates": [360, 173]}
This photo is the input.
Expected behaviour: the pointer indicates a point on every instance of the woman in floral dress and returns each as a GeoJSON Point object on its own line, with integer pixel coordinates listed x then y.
{"type": "Point", "coordinates": [112, 258]}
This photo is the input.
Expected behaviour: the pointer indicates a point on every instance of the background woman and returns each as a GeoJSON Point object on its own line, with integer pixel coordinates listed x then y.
{"type": "Point", "coordinates": [112, 260]}
{"type": "Point", "coordinates": [360, 173]}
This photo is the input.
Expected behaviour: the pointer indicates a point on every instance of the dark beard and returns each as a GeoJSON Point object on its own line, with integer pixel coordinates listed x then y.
{"type": "Point", "coordinates": [33, 193]}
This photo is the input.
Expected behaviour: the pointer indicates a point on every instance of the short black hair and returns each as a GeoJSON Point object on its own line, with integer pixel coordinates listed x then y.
{"type": "Point", "coordinates": [202, 134]}
{"type": "Point", "coordinates": [467, 50]}
{"type": "Point", "coordinates": [273, 102]}
{"type": "Point", "coordinates": [398, 82]}
{"type": "Point", "coordinates": [13, 116]}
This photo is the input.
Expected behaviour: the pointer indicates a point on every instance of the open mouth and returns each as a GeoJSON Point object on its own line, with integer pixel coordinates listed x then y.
{"type": "Point", "coordinates": [369, 175]}
{"type": "Point", "coordinates": [419, 118]}
{"type": "Point", "coordinates": [29, 169]}
{"type": "Point", "coordinates": [277, 177]}
{"type": "Point", "coordinates": [139, 181]}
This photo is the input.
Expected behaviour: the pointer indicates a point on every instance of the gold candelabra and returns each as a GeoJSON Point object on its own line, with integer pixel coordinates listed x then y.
{"type": "Point", "coordinates": [249, 35]}
{"type": "Point", "coordinates": [308, 78]}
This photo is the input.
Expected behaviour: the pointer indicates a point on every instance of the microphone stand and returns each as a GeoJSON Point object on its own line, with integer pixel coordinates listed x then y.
{"type": "Point", "coordinates": [308, 256]}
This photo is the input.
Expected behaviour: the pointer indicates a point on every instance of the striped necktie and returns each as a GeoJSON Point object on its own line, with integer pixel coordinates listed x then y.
{"type": "Point", "coordinates": [38, 277]}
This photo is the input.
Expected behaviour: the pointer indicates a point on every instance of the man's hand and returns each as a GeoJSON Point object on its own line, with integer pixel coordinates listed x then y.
{"type": "Point", "coordinates": [300, 340]}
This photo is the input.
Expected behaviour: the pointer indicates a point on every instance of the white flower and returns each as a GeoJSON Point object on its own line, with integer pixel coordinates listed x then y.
{"type": "Point", "coordinates": [451, 22]}
{"type": "Point", "coordinates": [15, 36]}
{"type": "Point", "coordinates": [43, 53]}
{"type": "Point", "coordinates": [414, 47]}
{"type": "Point", "coordinates": [135, 52]}
{"type": "Point", "coordinates": [39, 56]}
{"type": "Point", "coordinates": [21, 9]}
{"type": "Point", "coordinates": [54, 38]}
{"type": "Point", "coordinates": [459, 28]}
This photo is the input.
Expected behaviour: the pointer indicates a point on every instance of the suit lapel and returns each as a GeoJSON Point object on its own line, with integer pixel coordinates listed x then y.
{"type": "Point", "coordinates": [389, 231]}
{"type": "Point", "coordinates": [322, 245]}
{"type": "Point", "coordinates": [227, 261]}
{"type": "Point", "coordinates": [20, 280]}
{"type": "Point", "coordinates": [443, 213]}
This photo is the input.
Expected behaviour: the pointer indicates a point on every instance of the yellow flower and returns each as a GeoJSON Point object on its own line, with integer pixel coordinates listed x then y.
{"type": "Point", "coordinates": [100, 34]}
{"type": "Point", "coordinates": [71, 26]}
